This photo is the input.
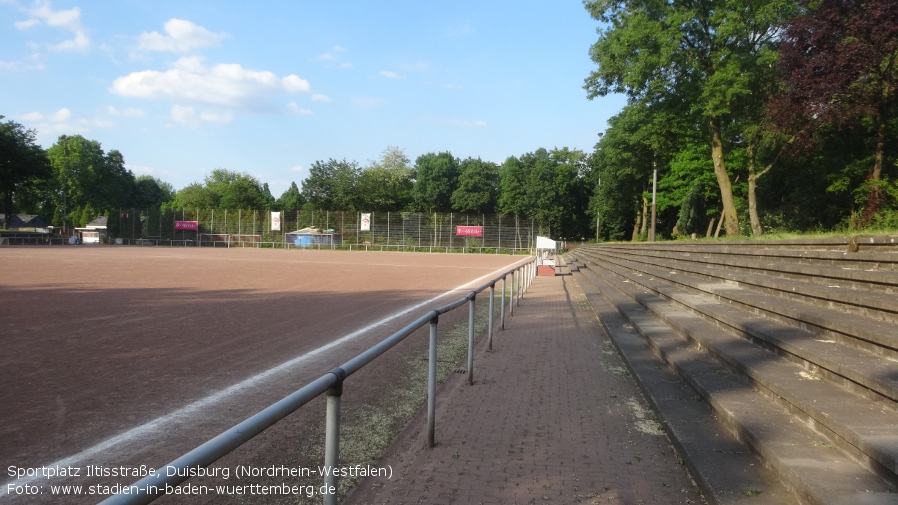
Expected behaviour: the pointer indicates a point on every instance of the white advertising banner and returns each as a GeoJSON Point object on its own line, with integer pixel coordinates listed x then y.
{"type": "Point", "coordinates": [365, 224]}
{"type": "Point", "coordinates": [275, 221]}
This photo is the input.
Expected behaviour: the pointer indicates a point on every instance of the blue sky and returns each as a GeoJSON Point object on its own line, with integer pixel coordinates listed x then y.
{"type": "Point", "coordinates": [268, 88]}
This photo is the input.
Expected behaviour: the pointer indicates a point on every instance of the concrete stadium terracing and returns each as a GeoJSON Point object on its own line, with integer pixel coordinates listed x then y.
{"type": "Point", "coordinates": [763, 355]}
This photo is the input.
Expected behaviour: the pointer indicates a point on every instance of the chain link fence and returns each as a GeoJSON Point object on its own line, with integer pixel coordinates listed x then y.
{"type": "Point", "coordinates": [394, 231]}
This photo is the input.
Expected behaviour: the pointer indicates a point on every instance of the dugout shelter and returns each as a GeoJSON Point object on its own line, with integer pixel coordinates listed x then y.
{"type": "Point", "coordinates": [313, 237]}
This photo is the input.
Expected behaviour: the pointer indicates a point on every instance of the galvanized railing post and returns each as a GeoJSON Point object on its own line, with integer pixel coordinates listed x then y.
{"type": "Point", "coordinates": [514, 280]}
{"type": "Point", "coordinates": [432, 383]}
{"type": "Point", "coordinates": [332, 438]}
{"type": "Point", "coordinates": [502, 312]}
{"type": "Point", "coordinates": [471, 340]}
{"type": "Point", "coordinates": [489, 327]}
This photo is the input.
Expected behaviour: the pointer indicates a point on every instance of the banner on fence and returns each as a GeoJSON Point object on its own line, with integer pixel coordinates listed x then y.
{"type": "Point", "coordinates": [365, 222]}
{"type": "Point", "coordinates": [187, 225]}
{"type": "Point", "coordinates": [469, 231]}
{"type": "Point", "coordinates": [275, 221]}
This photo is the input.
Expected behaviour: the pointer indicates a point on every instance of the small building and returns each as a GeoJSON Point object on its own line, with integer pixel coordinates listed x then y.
{"type": "Point", "coordinates": [24, 223]}
{"type": "Point", "coordinates": [93, 232]}
{"type": "Point", "coordinates": [313, 237]}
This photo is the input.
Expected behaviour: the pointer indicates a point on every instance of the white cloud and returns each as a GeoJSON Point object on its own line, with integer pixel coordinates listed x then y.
{"type": "Point", "coordinates": [333, 56]}
{"type": "Point", "coordinates": [295, 84]}
{"type": "Point", "coordinates": [296, 109]}
{"type": "Point", "coordinates": [24, 25]}
{"type": "Point", "coordinates": [318, 97]}
{"type": "Point", "coordinates": [151, 171]}
{"type": "Point", "coordinates": [188, 116]}
{"type": "Point", "coordinates": [389, 74]}
{"type": "Point", "coordinates": [79, 43]}
{"type": "Point", "coordinates": [69, 20]}
{"type": "Point", "coordinates": [224, 85]}
{"type": "Point", "coordinates": [180, 36]}
{"type": "Point", "coordinates": [62, 121]}
{"type": "Point", "coordinates": [32, 62]}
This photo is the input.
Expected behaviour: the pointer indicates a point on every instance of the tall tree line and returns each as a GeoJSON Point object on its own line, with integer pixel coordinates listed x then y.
{"type": "Point", "coordinates": [721, 94]}
{"type": "Point", "coordinates": [76, 180]}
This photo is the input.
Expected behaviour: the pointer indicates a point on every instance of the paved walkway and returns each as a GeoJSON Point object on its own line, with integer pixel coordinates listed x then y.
{"type": "Point", "coordinates": [553, 417]}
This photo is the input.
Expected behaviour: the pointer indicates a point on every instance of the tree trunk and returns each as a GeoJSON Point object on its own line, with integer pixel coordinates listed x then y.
{"type": "Point", "coordinates": [753, 204]}
{"type": "Point", "coordinates": [752, 191]}
{"type": "Point", "coordinates": [880, 148]}
{"type": "Point", "coordinates": [645, 214]}
{"type": "Point", "coordinates": [723, 178]}
{"type": "Point", "coordinates": [639, 220]}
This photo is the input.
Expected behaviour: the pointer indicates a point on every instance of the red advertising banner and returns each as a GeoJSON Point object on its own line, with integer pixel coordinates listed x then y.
{"type": "Point", "coordinates": [469, 231]}
{"type": "Point", "coordinates": [187, 225]}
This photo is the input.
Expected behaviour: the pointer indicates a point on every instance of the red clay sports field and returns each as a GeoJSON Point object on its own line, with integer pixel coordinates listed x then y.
{"type": "Point", "coordinates": [129, 356]}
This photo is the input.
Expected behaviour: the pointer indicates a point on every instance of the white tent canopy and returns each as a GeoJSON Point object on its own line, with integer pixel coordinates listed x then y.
{"type": "Point", "coordinates": [545, 243]}
{"type": "Point", "coordinates": [544, 247]}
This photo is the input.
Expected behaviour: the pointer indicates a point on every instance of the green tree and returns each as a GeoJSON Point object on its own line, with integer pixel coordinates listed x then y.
{"type": "Point", "coordinates": [623, 162]}
{"type": "Point", "coordinates": [571, 185]}
{"type": "Point", "coordinates": [195, 196]}
{"type": "Point", "coordinates": [151, 192]}
{"type": "Point", "coordinates": [436, 178]}
{"type": "Point", "coordinates": [333, 185]}
{"type": "Point", "coordinates": [840, 58]}
{"type": "Point", "coordinates": [23, 164]}
{"type": "Point", "coordinates": [706, 53]}
{"type": "Point", "coordinates": [386, 185]}
{"type": "Point", "coordinates": [550, 187]}
{"type": "Point", "coordinates": [291, 199]}
{"type": "Point", "coordinates": [86, 175]}
{"type": "Point", "coordinates": [512, 187]}
{"type": "Point", "coordinates": [478, 182]}
{"type": "Point", "coordinates": [233, 190]}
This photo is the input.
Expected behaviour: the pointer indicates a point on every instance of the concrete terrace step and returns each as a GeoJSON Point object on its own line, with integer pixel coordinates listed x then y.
{"type": "Point", "coordinates": [862, 371]}
{"type": "Point", "coordinates": [846, 274]}
{"type": "Point", "coordinates": [872, 291]}
{"type": "Point", "coordinates": [723, 467]}
{"type": "Point", "coordinates": [851, 327]}
{"type": "Point", "coordinates": [804, 459]}
{"type": "Point", "coordinates": [788, 375]}
{"type": "Point", "coordinates": [880, 260]}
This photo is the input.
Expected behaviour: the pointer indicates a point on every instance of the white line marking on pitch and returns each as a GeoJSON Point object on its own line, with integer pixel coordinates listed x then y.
{"type": "Point", "coordinates": [184, 412]}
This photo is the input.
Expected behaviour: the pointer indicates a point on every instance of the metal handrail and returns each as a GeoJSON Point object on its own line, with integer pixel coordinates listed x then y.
{"type": "Point", "coordinates": [161, 482]}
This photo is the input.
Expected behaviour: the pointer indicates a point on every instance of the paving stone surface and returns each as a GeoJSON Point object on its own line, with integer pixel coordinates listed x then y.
{"type": "Point", "coordinates": [553, 417]}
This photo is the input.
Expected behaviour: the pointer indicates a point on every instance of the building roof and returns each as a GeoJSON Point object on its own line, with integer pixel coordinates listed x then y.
{"type": "Point", "coordinates": [98, 222]}
{"type": "Point", "coordinates": [22, 221]}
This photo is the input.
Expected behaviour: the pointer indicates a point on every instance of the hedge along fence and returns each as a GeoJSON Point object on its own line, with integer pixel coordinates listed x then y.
{"type": "Point", "coordinates": [387, 230]}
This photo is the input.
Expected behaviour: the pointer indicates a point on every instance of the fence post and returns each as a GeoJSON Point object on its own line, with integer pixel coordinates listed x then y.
{"type": "Point", "coordinates": [489, 329]}
{"type": "Point", "coordinates": [332, 437]}
{"type": "Point", "coordinates": [502, 311]}
{"type": "Point", "coordinates": [514, 281]}
{"type": "Point", "coordinates": [432, 383]}
{"type": "Point", "coordinates": [471, 339]}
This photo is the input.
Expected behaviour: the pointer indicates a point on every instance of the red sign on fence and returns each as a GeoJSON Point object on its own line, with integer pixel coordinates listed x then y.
{"type": "Point", "coordinates": [469, 231]}
{"type": "Point", "coordinates": [187, 225]}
